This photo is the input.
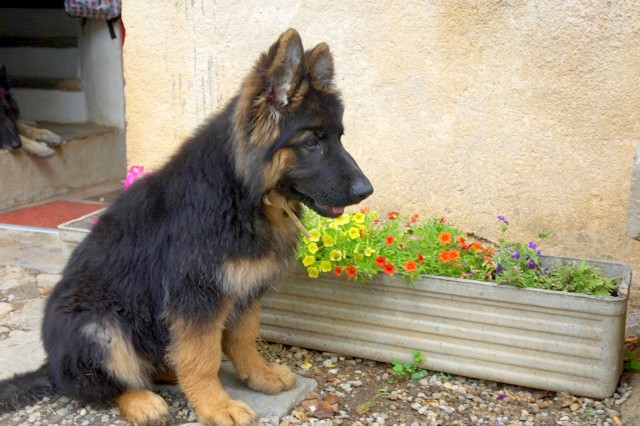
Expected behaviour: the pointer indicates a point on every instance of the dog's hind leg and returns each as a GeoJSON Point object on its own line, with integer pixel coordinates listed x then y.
{"type": "Point", "coordinates": [196, 354]}
{"type": "Point", "coordinates": [37, 134]}
{"type": "Point", "coordinates": [143, 407]}
{"type": "Point", "coordinates": [239, 344]}
{"type": "Point", "coordinates": [37, 149]}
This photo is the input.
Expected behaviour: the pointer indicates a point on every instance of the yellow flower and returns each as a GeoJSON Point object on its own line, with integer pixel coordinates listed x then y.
{"type": "Point", "coordinates": [354, 233]}
{"type": "Point", "coordinates": [315, 235]}
{"type": "Point", "coordinates": [308, 260]}
{"type": "Point", "coordinates": [343, 219]}
{"type": "Point", "coordinates": [327, 240]}
{"type": "Point", "coordinates": [335, 255]}
{"type": "Point", "coordinates": [313, 248]}
{"type": "Point", "coordinates": [325, 266]}
{"type": "Point", "coordinates": [334, 225]}
{"type": "Point", "coordinates": [305, 240]}
{"type": "Point", "coordinates": [374, 215]}
{"type": "Point", "coordinates": [358, 218]}
{"type": "Point", "coordinates": [313, 272]}
{"type": "Point", "coordinates": [369, 251]}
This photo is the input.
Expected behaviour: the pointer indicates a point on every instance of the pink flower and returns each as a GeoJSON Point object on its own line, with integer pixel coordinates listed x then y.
{"type": "Point", "coordinates": [134, 173]}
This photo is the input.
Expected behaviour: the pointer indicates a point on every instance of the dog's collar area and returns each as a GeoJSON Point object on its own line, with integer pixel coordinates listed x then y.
{"type": "Point", "coordinates": [281, 202]}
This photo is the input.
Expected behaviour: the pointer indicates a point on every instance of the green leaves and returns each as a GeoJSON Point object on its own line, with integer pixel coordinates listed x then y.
{"type": "Point", "coordinates": [409, 370]}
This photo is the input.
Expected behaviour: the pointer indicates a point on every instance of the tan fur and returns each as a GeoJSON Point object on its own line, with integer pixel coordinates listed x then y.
{"type": "Point", "coordinates": [36, 141]}
{"type": "Point", "coordinates": [243, 276]}
{"type": "Point", "coordinates": [239, 344]}
{"type": "Point", "coordinates": [143, 407]}
{"type": "Point", "coordinates": [275, 169]}
{"type": "Point", "coordinates": [123, 361]}
{"type": "Point", "coordinates": [196, 354]}
{"type": "Point", "coordinates": [283, 228]}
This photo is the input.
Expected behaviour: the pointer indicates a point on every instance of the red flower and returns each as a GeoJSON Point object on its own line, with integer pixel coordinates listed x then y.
{"type": "Point", "coordinates": [420, 258]}
{"type": "Point", "coordinates": [351, 271]}
{"type": "Point", "coordinates": [389, 240]}
{"type": "Point", "coordinates": [364, 209]}
{"type": "Point", "coordinates": [389, 268]}
{"type": "Point", "coordinates": [393, 215]}
{"type": "Point", "coordinates": [443, 219]}
{"type": "Point", "coordinates": [463, 243]}
{"type": "Point", "coordinates": [410, 266]}
{"type": "Point", "coordinates": [381, 260]}
{"type": "Point", "coordinates": [448, 255]}
{"type": "Point", "coordinates": [337, 271]}
{"type": "Point", "coordinates": [445, 237]}
{"type": "Point", "coordinates": [414, 217]}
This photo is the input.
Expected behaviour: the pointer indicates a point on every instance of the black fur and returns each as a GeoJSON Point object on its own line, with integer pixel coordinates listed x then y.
{"type": "Point", "coordinates": [9, 138]}
{"type": "Point", "coordinates": [157, 252]}
{"type": "Point", "coordinates": [26, 388]}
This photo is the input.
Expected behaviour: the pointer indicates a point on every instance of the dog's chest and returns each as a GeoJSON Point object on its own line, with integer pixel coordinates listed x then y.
{"type": "Point", "coordinates": [244, 276]}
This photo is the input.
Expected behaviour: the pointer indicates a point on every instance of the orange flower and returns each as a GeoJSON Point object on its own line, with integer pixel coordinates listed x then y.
{"type": "Point", "coordinates": [443, 219]}
{"type": "Point", "coordinates": [389, 268]}
{"type": "Point", "coordinates": [337, 271]}
{"type": "Point", "coordinates": [420, 258]}
{"type": "Point", "coordinates": [364, 209]}
{"type": "Point", "coordinates": [410, 266]}
{"type": "Point", "coordinates": [393, 215]}
{"type": "Point", "coordinates": [414, 217]}
{"type": "Point", "coordinates": [445, 237]}
{"type": "Point", "coordinates": [389, 240]}
{"type": "Point", "coordinates": [351, 271]}
{"type": "Point", "coordinates": [463, 243]}
{"type": "Point", "coordinates": [448, 255]}
{"type": "Point", "coordinates": [476, 246]}
{"type": "Point", "coordinates": [381, 260]}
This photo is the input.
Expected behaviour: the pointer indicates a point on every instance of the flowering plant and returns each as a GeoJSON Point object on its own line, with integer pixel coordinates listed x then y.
{"type": "Point", "coordinates": [362, 245]}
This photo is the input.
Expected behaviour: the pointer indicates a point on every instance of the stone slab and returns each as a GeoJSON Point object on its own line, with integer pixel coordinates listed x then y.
{"type": "Point", "coordinates": [266, 406]}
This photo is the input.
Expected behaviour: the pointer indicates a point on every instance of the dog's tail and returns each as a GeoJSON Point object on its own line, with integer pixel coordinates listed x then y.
{"type": "Point", "coordinates": [25, 388]}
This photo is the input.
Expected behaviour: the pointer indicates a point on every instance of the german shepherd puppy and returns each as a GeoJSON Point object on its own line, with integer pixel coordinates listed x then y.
{"type": "Point", "coordinates": [170, 276]}
{"type": "Point", "coordinates": [14, 133]}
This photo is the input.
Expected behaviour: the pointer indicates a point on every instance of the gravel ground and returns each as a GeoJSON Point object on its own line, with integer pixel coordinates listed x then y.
{"type": "Point", "coordinates": [362, 392]}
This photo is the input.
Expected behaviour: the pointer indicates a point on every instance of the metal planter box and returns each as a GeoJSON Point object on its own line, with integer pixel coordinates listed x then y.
{"type": "Point", "coordinates": [536, 338]}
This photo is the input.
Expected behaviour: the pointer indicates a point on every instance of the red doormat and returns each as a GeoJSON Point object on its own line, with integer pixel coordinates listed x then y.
{"type": "Point", "coordinates": [48, 215]}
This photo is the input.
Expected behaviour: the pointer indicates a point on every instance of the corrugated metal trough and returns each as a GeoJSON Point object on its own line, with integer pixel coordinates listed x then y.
{"type": "Point", "coordinates": [536, 338]}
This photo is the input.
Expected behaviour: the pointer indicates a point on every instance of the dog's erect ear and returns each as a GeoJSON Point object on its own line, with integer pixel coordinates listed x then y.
{"type": "Point", "coordinates": [285, 68]}
{"type": "Point", "coordinates": [320, 63]}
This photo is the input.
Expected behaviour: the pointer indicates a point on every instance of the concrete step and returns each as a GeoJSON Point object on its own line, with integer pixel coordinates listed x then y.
{"type": "Point", "coordinates": [27, 61]}
{"type": "Point", "coordinates": [52, 105]}
{"type": "Point", "coordinates": [90, 155]}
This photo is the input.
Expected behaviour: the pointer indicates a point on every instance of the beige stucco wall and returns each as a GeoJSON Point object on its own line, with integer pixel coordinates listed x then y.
{"type": "Point", "coordinates": [523, 108]}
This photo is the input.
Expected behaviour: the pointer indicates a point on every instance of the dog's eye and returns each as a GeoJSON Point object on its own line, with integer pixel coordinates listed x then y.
{"type": "Point", "coordinates": [312, 142]}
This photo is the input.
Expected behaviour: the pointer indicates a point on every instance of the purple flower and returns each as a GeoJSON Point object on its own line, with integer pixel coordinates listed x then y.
{"type": "Point", "coordinates": [515, 255]}
{"type": "Point", "coordinates": [532, 264]}
{"type": "Point", "coordinates": [503, 220]}
{"type": "Point", "coordinates": [502, 396]}
{"type": "Point", "coordinates": [499, 268]}
{"type": "Point", "coordinates": [532, 245]}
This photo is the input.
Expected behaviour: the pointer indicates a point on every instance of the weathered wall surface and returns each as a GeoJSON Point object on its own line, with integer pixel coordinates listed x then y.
{"type": "Point", "coordinates": [523, 108]}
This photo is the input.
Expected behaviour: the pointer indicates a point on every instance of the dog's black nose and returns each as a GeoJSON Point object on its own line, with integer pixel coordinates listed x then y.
{"type": "Point", "coordinates": [361, 189]}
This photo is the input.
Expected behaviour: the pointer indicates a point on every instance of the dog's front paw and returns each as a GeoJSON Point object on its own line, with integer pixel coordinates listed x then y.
{"type": "Point", "coordinates": [229, 413]}
{"type": "Point", "coordinates": [48, 137]}
{"type": "Point", "coordinates": [271, 379]}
